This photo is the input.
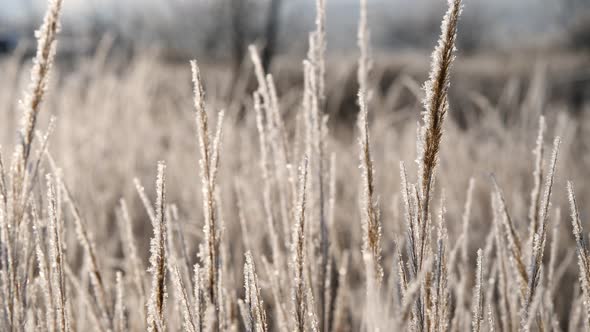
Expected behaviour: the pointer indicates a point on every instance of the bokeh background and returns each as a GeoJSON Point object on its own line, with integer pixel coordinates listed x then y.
{"type": "Point", "coordinates": [210, 27]}
{"type": "Point", "coordinates": [122, 67]}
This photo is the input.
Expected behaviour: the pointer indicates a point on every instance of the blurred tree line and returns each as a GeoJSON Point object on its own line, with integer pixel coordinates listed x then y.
{"type": "Point", "coordinates": [222, 29]}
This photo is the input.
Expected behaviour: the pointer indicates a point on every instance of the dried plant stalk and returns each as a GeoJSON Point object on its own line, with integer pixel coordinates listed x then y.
{"type": "Point", "coordinates": [209, 163]}
{"type": "Point", "coordinates": [478, 295]}
{"type": "Point", "coordinates": [253, 299]}
{"type": "Point", "coordinates": [436, 101]}
{"type": "Point", "coordinates": [157, 299]}
{"type": "Point", "coordinates": [300, 310]}
{"type": "Point", "coordinates": [43, 62]}
{"type": "Point", "coordinates": [184, 301]}
{"type": "Point", "coordinates": [583, 256]}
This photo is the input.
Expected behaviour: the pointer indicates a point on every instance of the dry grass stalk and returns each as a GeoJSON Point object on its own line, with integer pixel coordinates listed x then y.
{"type": "Point", "coordinates": [513, 240]}
{"type": "Point", "coordinates": [76, 284]}
{"type": "Point", "coordinates": [370, 221]}
{"type": "Point", "coordinates": [538, 244]}
{"type": "Point", "coordinates": [364, 62]}
{"type": "Point", "coordinates": [502, 257]}
{"type": "Point", "coordinates": [300, 310]}
{"type": "Point", "coordinates": [267, 189]}
{"type": "Point", "coordinates": [256, 314]}
{"type": "Point", "coordinates": [439, 312]}
{"type": "Point", "coordinates": [157, 299]}
{"type": "Point", "coordinates": [407, 313]}
{"type": "Point", "coordinates": [417, 199]}
{"type": "Point", "coordinates": [281, 310]}
{"type": "Point", "coordinates": [87, 243]}
{"type": "Point", "coordinates": [552, 280]}
{"type": "Point", "coordinates": [478, 295]}
{"type": "Point", "coordinates": [576, 314]}
{"type": "Point", "coordinates": [583, 255]}
{"type": "Point", "coordinates": [136, 269]}
{"type": "Point", "coordinates": [313, 321]}
{"type": "Point", "coordinates": [41, 151]}
{"type": "Point", "coordinates": [538, 178]}
{"type": "Point", "coordinates": [491, 321]}
{"type": "Point", "coordinates": [535, 307]}
{"type": "Point", "coordinates": [410, 217]}
{"type": "Point", "coordinates": [46, 48]}
{"type": "Point", "coordinates": [553, 252]}
{"type": "Point", "coordinates": [370, 215]}
{"type": "Point", "coordinates": [414, 242]}
{"type": "Point", "coordinates": [209, 163]}
{"type": "Point", "coordinates": [199, 299]}
{"type": "Point", "coordinates": [44, 274]}
{"type": "Point", "coordinates": [436, 102]}
{"type": "Point", "coordinates": [462, 244]}
{"type": "Point", "coordinates": [317, 51]}
{"type": "Point", "coordinates": [15, 187]}
{"type": "Point", "coordinates": [120, 320]}
{"type": "Point", "coordinates": [465, 222]}
{"type": "Point", "coordinates": [370, 210]}
{"type": "Point", "coordinates": [314, 107]}
{"type": "Point", "coordinates": [284, 177]}
{"type": "Point", "coordinates": [271, 129]}
{"type": "Point", "coordinates": [149, 208]}
{"type": "Point", "coordinates": [341, 296]}
{"type": "Point", "coordinates": [56, 259]}
{"type": "Point", "coordinates": [184, 301]}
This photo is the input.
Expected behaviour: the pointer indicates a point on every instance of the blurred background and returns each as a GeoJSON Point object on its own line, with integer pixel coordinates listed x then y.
{"type": "Point", "coordinates": [220, 28]}
{"type": "Point", "coordinates": [499, 41]}
{"type": "Point", "coordinates": [122, 66]}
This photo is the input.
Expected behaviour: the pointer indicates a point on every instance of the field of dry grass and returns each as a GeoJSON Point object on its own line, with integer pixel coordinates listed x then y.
{"type": "Point", "coordinates": [340, 194]}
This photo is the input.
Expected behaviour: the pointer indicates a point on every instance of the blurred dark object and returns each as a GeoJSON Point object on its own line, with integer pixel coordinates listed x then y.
{"type": "Point", "coordinates": [271, 32]}
{"type": "Point", "coordinates": [579, 31]}
{"type": "Point", "coordinates": [475, 27]}
{"type": "Point", "coordinates": [412, 31]}
{"type": "Point", "coordinates": [420, 30]}
{"type": "Point", "coordinates": [239, 34]}
{"type": "Point", "coordinates": [8, 43]}
{"type": "Point", "coordinates": [243, 33]}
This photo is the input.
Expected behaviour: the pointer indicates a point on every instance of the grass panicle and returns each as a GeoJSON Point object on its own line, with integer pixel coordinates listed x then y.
{"type": "Point", "coordinates": [436, 102]}
{"type": "Point", "coordinates": [158, 293]}
{"type": "Point", "coordinates": [583, 255]}
{"type": "Point", "coordinates": [300, 309]}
